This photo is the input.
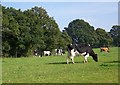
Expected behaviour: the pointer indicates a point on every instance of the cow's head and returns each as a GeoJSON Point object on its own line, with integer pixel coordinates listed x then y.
{"type": "Point", "coordinates": [71, 46]}
{"type": "Point", "coordinates": [95, 57]}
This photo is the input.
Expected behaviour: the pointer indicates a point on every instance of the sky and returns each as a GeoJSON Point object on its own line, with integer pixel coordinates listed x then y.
{"type": "Point", "coordinates": [97, 14]}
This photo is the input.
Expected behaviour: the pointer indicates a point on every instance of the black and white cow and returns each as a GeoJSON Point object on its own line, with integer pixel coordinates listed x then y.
{"type": "Point", "coordinates": [59, 51]}
{"type": "Point", "coordinates": [38, 52]}
{"type": "Point", "coordinates": [85, 50]}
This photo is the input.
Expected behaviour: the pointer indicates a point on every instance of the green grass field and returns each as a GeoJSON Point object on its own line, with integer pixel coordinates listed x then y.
{"type": "Point", "coordinates": [53, 69]}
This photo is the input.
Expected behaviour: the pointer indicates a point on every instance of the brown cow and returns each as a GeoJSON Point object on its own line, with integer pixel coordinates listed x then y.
{"type": "Point", "coordinates": [106, 49]}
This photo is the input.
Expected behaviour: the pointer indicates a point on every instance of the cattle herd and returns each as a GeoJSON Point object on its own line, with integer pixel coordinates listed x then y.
{"type": "Point", "coordinates": [73, 49]}
{"type": "Point", "coordinates": [40, 53]}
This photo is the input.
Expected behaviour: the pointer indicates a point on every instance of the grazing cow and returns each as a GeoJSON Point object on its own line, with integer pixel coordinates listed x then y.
{"type": "Point", "coordinates": [85, 50]}
{"type": "Point", "coordinates": [59, 51]}
{"type": "Point", "coordinates": [38, 52]}
{"type": "Point", "coordinates": [46, 53]}
{"type": "Point", "coordinates": [106, 49]}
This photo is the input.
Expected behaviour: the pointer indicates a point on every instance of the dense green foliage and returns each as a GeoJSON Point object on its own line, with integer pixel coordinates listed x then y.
{"type": "Point", "coordinates": [81, 32]}
{"type": "Point", "coordinates": [103, 37]}
{"type": "Point", "coordinates": [24, 31]}
{"type": "Point", "coordinates": [54, 69]}
{"type": "Point", "coordinates": [115, 34]}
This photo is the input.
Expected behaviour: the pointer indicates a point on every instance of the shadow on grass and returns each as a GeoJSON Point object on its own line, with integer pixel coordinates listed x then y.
{"type": "Point", "coordinates": [113, 62]}
{"type": "Point", "coordinates": [62, 62]}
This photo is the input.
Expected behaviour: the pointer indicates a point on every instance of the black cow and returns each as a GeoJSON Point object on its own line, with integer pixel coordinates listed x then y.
{"type": "Point", "coordinates": [85, 50]}
{"type": "Point", "coordinates": [38, 52]}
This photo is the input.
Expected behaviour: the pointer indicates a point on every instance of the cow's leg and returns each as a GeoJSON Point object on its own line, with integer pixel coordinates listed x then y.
{"type": "Point", "coordinates": [85, 57]}
{"type": "Point", "coordinates": [72, 58]}
{"type": "Point", "coordinates": [68, 56]}
{"type": "Point", "coordinates": [67, 60]}
{"type": "Point", "coordinates": [71, 55]}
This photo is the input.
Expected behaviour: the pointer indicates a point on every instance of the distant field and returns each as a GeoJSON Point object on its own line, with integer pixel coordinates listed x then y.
{"type": "Point", "coordinates": [53, 69]}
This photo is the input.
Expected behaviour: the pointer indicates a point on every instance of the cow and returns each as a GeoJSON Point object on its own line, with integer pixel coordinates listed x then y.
{"type": "Point", "coordinates": [59, 51]}
{"type": "Point", "coordinates": [106, 49]}
{"type": "Point", "coordinates": [80, 49]}
{"type": "Point", "coordinates": [46, 53]}
{"type": "Point", "coordinates": [38, 52]}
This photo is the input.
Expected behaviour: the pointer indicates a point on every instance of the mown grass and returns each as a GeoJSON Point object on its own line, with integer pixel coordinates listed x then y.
{"type": "Point", "coordinates": [53, 69]}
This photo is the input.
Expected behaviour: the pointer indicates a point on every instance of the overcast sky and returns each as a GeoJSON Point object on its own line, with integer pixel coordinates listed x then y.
{"type": "Point", "coordinates": [98, 14]}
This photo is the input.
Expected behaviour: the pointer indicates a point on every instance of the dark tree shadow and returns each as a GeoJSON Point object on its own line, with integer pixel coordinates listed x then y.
{"type": "Point", "coordinates": [57, 63]}
{"type": "Point", "coordinates": [62, 62]}
{"type": "Point", "coordinates": [113, 62]}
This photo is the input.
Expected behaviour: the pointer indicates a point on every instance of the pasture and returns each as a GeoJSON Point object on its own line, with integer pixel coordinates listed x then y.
{"type": "Point", "coordinates": [53, 69]}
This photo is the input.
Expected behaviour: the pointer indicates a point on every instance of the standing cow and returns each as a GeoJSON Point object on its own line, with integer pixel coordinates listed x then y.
{"type": "Point", "coordinates": [59, 51]}
{"type": "Point", "coordinates": [85, 50]}
{"type": "Point", "coordinates": [46, 53]}
{"type": "Point", "coordinates": [38, 52]}
{"type": "Point", "coordinates": [105, 49]}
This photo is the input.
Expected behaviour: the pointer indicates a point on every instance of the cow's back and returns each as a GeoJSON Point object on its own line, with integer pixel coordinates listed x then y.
{"type": "Point", "coordinates": [84, 48]}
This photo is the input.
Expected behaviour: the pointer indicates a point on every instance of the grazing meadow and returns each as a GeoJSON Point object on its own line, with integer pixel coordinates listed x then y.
{"type": "Point", "coordinates": [53, 69]}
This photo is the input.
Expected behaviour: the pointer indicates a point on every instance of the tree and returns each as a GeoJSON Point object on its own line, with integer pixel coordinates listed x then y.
{"type": "Point", "coordinates": [81, 32]}
{"type": "Point", "coordinates": [114, 32]}
{"type": "Point", "coordinates": [25, 31]}
{"type": "Point", "coordinates": [64, 40]}
{"type": "Point", "coordinates": [103, 37]}
{"type": "Point", "coordinates": [10, 31]}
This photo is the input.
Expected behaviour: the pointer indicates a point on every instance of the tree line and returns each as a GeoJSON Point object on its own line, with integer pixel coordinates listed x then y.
{"type": "Point", "coordinates": [24, 31]}
{"type": "Point", "coordinates": [82, 32]}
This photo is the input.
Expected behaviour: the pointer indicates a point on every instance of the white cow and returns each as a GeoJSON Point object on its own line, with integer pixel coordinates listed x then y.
{"type": "Point", "coordinates": [46, 53]}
